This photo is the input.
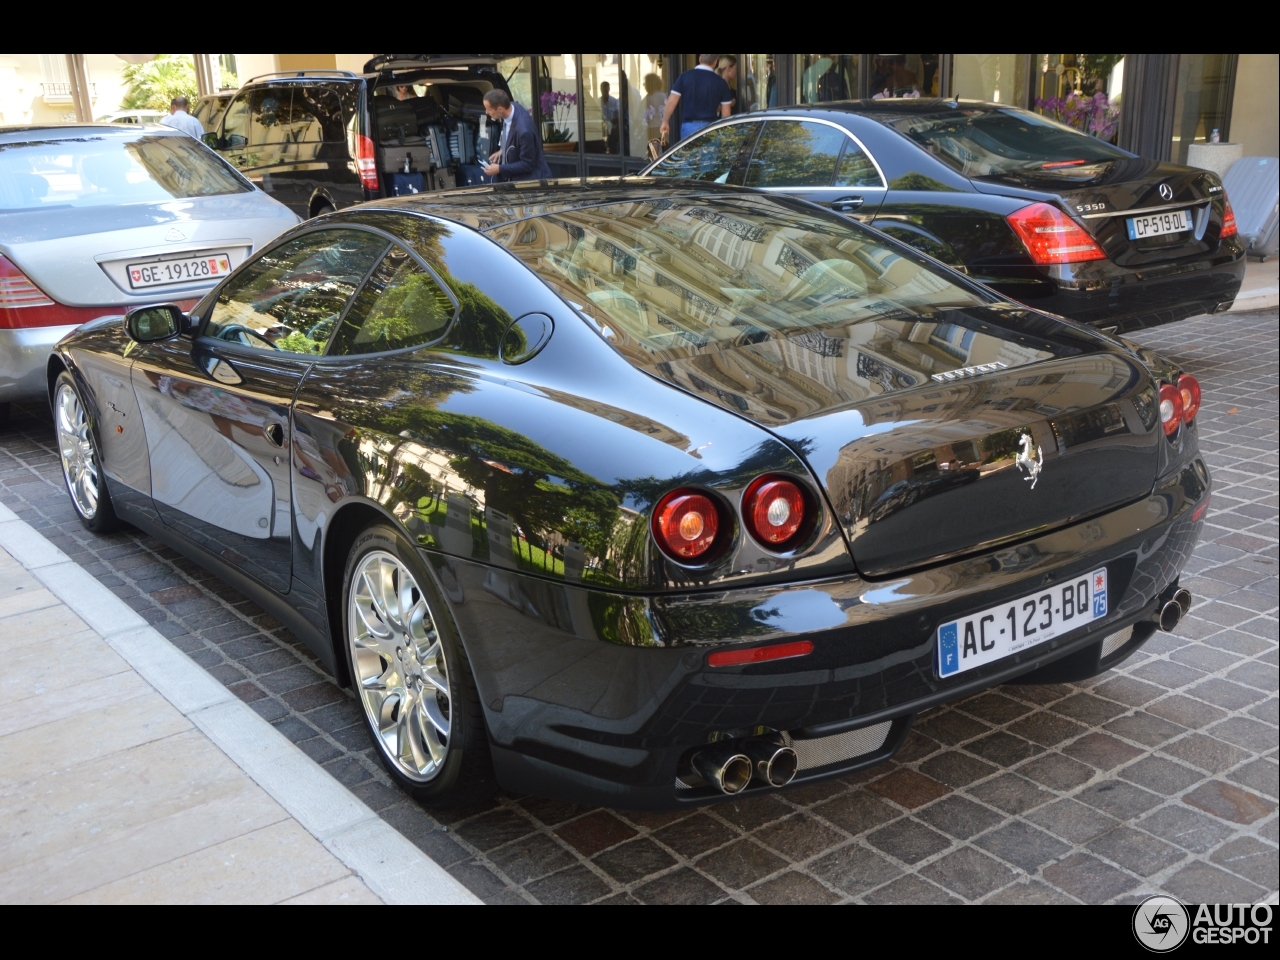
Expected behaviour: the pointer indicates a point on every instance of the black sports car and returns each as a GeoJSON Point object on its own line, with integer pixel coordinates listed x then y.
{"type": "Point", "coordinates": [1045, 214]}
{"type": "Point", "coordinates": [642, 493]}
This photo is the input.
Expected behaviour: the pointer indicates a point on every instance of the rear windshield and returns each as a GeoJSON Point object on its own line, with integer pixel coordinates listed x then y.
{"type": "Point", "coordinates": [108, 170]}
{"type": "Point", "coordinates": [667, 279]}
{"type": "Point", "coordinates": [983, 142]}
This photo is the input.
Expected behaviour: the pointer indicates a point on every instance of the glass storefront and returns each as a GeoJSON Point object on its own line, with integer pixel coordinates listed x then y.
{"type": "Point", "coordinates": [998, 77]}
{"type": "Point", "coordinates": [758, 83]}
{"type": "Point", "coordinates": [1082, 90]}
{"type": "Point", "coordinates": [1202, 101]}
{"type": "Point", "coordinates": [824, 77]}
{"type": "Point", "coordinates": [905, 75]}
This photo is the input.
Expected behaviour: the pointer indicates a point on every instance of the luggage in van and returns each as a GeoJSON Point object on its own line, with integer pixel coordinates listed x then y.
{"type": "Point", "coordinates": [1253, 187]}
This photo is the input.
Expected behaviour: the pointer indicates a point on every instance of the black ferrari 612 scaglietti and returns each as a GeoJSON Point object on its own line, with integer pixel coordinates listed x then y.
{"type": "Point", "coordinates": [642, 493]}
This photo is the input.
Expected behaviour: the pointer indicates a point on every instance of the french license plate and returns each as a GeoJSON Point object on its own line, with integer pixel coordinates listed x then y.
{"type": "Point", "coordinates": [984, 637]}
{"type": "Point", "coordinates": [164, 273]}
{"type": "Point", "coordinates": [1158, 224]}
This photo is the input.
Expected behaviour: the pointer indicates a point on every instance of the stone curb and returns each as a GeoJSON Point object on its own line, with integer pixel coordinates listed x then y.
{"type": "Point", "coordinates": [392, 867]}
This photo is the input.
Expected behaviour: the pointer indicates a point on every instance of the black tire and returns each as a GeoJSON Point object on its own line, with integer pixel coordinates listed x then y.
{"type": "Point", "coordinates": [466, 774]}
{"type": "Point", "coordinates": [102, 518]}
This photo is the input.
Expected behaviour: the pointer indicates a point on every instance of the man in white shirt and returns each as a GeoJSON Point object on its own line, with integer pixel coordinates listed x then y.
{"type": "Point", "coordinates": [179, 119]}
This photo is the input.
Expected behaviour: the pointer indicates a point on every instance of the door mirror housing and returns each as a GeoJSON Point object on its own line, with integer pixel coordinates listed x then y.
{"type": "Point", "coordinates": [162, 321]}
{"type": "Point", "coordinates": [211, 140]}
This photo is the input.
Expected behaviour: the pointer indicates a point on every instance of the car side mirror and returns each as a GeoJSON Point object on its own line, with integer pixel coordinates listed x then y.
{"type": "Point", "coordinates": [211, 140]}
{"type": "Point", "coordinates": [160, 322]}
{"type": "Point", "coordinates": [235, 140]}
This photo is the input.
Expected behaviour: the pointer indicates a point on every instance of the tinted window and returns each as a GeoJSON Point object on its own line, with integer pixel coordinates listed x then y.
{"type": "Point", "coordinates": [402, 305]}
{"type": "Point", "coordinates": [103, 171]}
{"type": "Point", "coordinates": [710, 156]}
{"type": "Point", "coordinates": [235, 125]}
{"type": "Point", "coordinates": [291, 297]}
{"type": "Point", "coordinates": [980, 141]}
{"type": "Point", "coordinates": [317, 114]}
{"type": "Point", "coordinates": [856, 169]}
{"type": "Point", "coordinates": [269, 115]}
{"type": "Point", "coordinates": [792, 153]}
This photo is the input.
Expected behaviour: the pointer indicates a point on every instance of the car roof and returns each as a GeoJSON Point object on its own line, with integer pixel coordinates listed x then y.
{"type": "Point", "coordinates": [484, 208]}
{"type": "Point", "coordinates": [885, 110]}
{"type": "Point", "coordinates": [73, 131]}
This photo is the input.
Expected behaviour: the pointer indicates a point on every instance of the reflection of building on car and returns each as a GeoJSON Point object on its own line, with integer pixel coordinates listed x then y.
{"type": "Point", "coordinates": [89, 227]}
{"type": "Point", "coordinates": [133, 116]}
{"type": "Point", "coordinates": [318, 140]}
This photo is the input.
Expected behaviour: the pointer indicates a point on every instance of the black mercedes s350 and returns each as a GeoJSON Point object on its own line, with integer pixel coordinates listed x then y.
{"type": "Point", "coordinates": [642, 493]}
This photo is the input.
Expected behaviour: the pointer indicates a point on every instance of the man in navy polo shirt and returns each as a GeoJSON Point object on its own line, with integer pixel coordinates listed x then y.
{"type": "Point", "coordinates": [702, 94]}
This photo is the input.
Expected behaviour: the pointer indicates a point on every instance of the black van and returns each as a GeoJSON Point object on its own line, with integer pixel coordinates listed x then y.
{"type": "Point", "coordinates": [319, 140]}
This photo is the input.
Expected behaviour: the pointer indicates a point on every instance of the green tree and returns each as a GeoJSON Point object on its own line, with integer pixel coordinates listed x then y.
{"type": "Point", "coordinates": [153, 84]}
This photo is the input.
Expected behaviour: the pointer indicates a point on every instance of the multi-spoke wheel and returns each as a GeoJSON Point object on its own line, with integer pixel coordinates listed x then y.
{"type": "Point", "coordinates": [81, 467]}
{"type": "Point", "coordinates": [410, 673]}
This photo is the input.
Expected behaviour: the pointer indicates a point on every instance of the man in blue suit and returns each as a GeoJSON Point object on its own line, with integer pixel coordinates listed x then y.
{"type": "Point", "coordinates": [519, 153]}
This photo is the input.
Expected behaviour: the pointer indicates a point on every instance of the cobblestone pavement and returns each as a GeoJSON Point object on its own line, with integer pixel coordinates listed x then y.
{"type": "Point", "coordinates": [1158, 776]}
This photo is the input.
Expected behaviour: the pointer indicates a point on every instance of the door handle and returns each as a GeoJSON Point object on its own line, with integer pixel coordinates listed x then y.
{"type": "Point", "coordinates": [846, 204]}
{"type": "Point", "coordinates": [274, 432]}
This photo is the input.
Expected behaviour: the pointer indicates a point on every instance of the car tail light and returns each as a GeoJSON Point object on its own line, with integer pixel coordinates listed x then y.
{"type": "Point", "coordinates": [1170, 408]}
{"type": "Point", "coordinates": [685, 524]}
{"type": "Point", "coordinates": [777, 651]}
{"type": "Point", "coordinates": [1189, 388]}
{"type": "Point", "coordinates": [1199, 511]}
{"type": "Point", "coordinates": [1228, 220]}
{"type": "Point", "coordinates": [1050, 236]}
{"type": "Point", "coordinates": [773, 509]}
{"type": "Point", "coordinates": [367, 162]}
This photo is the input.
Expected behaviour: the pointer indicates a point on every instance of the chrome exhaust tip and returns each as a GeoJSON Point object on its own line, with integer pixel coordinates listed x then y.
{"type": "Point", "coordinates": [725, 767]}
{"type": "Point", "coordinates": [1183, 599]}
{"type": "Point", "coordinates": [773, 763]}
{"type": "Point", "coordinates": [1170, 614]}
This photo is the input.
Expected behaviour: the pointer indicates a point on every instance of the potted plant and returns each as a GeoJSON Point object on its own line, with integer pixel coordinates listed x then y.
{"type": "Point", "coordinates": [559, 112]}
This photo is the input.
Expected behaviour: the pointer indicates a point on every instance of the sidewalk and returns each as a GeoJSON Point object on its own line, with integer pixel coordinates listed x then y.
{"type": "Point", "coordinates": [112, 788]}
{"type": "Point", "coordinates": [1261, 287]}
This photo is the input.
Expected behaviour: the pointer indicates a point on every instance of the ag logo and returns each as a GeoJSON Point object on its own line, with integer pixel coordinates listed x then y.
{"type": "Point", "coordinates": [1161, 924]}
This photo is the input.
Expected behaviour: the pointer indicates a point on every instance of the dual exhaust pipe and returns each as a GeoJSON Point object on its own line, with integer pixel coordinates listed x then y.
{"type": "Point", "coordinates": [1172, 610]}
{"type": "Point", "coordinates": [731, 766]}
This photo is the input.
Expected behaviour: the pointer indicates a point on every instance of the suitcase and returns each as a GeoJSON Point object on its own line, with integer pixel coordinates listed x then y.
{"type": "Point", "coordinates": [404, 184]}
{"type": "Point", "coordinates": [1253, 187]}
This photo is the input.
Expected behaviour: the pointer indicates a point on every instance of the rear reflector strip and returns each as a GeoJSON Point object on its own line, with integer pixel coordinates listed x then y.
{"type": "Point", "coordinates": [778, 651]}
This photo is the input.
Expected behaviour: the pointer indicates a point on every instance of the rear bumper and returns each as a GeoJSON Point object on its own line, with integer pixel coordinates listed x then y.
{"type": "Point", "coordinates": [1109, 296]}
{"type": "Point", "coordinates": [600, 698]}
{"type": "Point", "coordinates": [24, 355]}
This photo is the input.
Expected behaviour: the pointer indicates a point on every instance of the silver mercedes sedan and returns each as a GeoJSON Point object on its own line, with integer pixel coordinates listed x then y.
{"type": "Point", "coordinates": [96, 218]}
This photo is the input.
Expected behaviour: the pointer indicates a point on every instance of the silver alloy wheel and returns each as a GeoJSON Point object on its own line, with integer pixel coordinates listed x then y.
{"type": "Point", "coordinates": [401, 674]}
{"type": "Point", "coordinates": [79, 462]}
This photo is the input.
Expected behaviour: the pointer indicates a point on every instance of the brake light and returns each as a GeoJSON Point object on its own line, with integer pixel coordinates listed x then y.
{"type": "Point", "coordinates": [1189, 388]}
{"type": "Point", "coordinates": [685, 524]}
{"type": "Point", "coordinates": [1050, 236]}
{"type": "Point", "coordinates": [1228, 220]}
{"type": "Point", "coordinates": [1170, 408]}
{"type": "Point", "coordinates": [773, 510]}
{"type": "Point", "coordinates": [1199, 511]}
{"type": "Point", "coordinates": [778, 651]}
{"type": "Point", "coordinates": [367, 162]}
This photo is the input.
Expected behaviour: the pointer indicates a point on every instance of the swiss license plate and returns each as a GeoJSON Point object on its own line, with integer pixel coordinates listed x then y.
{"type": "Point", "coordinates": [164, 273]}
{"type": "Point", "coordinates": [984, 637]}
{"type": "Point", "coordinates": [1158, 224]}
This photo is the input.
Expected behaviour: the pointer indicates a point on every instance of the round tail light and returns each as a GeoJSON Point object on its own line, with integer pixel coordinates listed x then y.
{"type": "Point", "coordinates": [773, 509]}
{"type": "Point", "coordinates": [685, 524]}
{"type": "Point", "coordinates": [1189, 387]}
{"type": "Point", "coordinates": [1170, 408]}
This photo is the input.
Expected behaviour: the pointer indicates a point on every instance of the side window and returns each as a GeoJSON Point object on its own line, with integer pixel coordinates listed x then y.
{"type": "Point", "coordinates": [402, 305]}
{"type": "Point", "coordinates": [291, 297]}
{"type": "Point", "coordinates": [795, 153]}
{"type": "Point", "coordinates": [235, 125]}
{"type": "Point", "coordinates": [317, 113]}
{"type": "Point", "coordinates": [856, 169]}
{"type": "Point", "coordinates": [269, 114]}
{"type": "Point", "coordinates": [711, 156]}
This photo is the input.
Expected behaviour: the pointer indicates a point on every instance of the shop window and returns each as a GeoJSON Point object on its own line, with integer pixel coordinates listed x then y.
{"type": "Point", "coordinates": [758, 87]}
{"type": "Point", "coordinates": [996, 77]}
{"type": "Point", "coordinates": [625, 94]}
{"type": "Point", "coordinates": [1082, 90]}
{"type": "Point", "coordinates": [1202, 101]}
{"type": "Point", "coordinates": [905, 75]}
{"type": "Point", "coordinates": [559, 103]}
{"type": "Point", "coordinates": [516, 71]}
{"type": "Point", "coordinates": [826, 77]}
{"type": "Point", "coordinates": [792, 153]}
